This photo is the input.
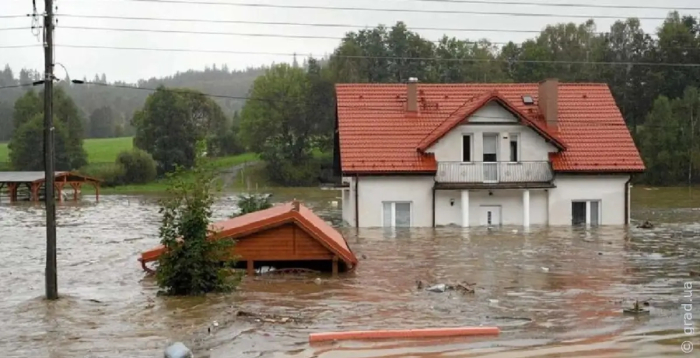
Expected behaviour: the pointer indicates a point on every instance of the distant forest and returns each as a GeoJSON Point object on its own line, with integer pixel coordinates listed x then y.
{"type": "Point", "coordinates": [107, 110]}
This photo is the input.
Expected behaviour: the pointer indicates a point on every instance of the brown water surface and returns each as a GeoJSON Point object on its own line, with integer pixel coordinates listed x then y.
{"type": "Point", "coordinates": [553, 291]}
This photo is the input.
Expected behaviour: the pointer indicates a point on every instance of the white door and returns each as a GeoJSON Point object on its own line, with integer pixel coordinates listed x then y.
{"type": "Point", "coordinates": [490, 158]}
{"type": "Point", "coordinates": [490, 215]}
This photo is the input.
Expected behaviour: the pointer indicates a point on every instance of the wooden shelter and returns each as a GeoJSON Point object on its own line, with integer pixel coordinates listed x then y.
{"type": "Point", "coordinates": [284, 236]}
{"type": "Point", "coordinates": [34, 181]}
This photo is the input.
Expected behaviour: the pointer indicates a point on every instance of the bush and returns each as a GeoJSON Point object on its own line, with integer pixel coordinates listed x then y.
{"type": "Point", "coordinates": [223, 144]}
{"type": "Point", "coordinates": [191, 263]}
{"type": "Point", "coordinates": [249, 203]}
{"type": "Point", "coordinates": [139, 166]}
{"type": "Point", "coordinates": [112, 174]}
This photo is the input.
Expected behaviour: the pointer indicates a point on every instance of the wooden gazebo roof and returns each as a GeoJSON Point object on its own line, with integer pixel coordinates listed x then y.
{"type": "Point", "coordinates": [301, 217]}
{"type": "Point", "coordinates": [39, 177]}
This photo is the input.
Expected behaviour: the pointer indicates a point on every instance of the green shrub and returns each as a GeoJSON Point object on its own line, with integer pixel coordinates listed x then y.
{"type": "Point", "coordinates": [139, 166]}
{"type": "Point", "coordinates": [191, 263]}
{"type": "Point", "coordinates": [249, 203]}
{"type": "Point", "coordinates": [112, 174]}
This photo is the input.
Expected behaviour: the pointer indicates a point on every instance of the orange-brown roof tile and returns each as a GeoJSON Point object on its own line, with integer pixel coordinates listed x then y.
{"type": "Point", "coordinates": [248, 224]}
{"type": "Point", "coordinates": [378, 135]}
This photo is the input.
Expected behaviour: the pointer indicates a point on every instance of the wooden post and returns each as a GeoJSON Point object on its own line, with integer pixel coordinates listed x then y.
{"type": "Point", "coordinates": [251, 268]}
{"type": "Point", "coordinates": [35, 191]}
{"type": "Point", "coordinates": [59, 191]}
{"type": "Point", "coordinates": [335, 265]}
{"type": "Point", "coordinates": [97, 192]}
{"type": "Point", "coordinates": [76, 188]}
{"type": "Point", "coordinates": [13, 191]}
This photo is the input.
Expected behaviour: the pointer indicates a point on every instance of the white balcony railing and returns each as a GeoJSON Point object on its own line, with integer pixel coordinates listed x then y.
{"type": "Point", "coordinates": [494, 172]}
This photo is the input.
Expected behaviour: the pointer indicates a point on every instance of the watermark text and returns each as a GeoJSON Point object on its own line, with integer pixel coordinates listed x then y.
{"type": "Point", "coordinates": [688, 324]}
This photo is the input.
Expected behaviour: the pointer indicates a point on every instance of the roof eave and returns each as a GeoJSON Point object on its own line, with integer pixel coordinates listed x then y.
{"type": "Point", "coordinates": [389, 172]}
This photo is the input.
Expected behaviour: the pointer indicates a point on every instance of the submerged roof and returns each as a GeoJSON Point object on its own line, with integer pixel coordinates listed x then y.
{"type": "Point", "coordinates": [378, 135]}
{"type": "Point", "coordinates": [36, 176]}
{"type": "Point", "coordinates": [262, 220]}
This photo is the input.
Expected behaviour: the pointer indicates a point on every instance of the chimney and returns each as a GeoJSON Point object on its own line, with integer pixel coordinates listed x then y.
{"type": "Point", "coordinates": [295, 205]}
{"type": "Point", "coordinates": [412, 95]}
{"type": "Point", "coordinates": [548, 101]}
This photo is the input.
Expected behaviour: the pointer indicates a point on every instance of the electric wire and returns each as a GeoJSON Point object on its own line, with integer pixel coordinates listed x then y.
{"type": "Point", "coordinates": [480, 60]}
{"type": "Point", "coordinates": [366, 9]}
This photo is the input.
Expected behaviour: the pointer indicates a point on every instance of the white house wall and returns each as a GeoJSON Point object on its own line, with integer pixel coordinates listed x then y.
{"type": "Point", "coordinates": [511, 202]}
{"type": "Point", "coordinates": [609, 189]}
{"type": "Point", "coordinates": [533, 147]}
{"type": "Point", "coordinates": [374, 191]}
{"type": "Point", "coordinates": [348, 202]}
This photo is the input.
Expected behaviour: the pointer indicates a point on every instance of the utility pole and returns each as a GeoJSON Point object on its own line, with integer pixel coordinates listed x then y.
{"type": "Point", "coordinates": [51, 274]}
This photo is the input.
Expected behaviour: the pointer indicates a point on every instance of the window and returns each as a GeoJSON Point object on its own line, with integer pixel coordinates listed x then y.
{"type": "Point", "coordinates": [514, 153]}
{"type": "Point", "coordinates": [490, 147]}
{"type": "Point", "coordinates": [466, 148]}
{"type": "Point", "coordinates": [396, 214]}
{"type": "Point", "coordinates": [585, 212]}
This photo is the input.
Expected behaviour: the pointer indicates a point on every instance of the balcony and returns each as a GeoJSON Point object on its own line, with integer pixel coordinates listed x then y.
{"type": "Point", "coordinates": [516, 174]}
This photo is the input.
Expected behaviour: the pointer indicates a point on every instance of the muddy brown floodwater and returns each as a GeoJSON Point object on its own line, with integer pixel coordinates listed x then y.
{"type": "Point", "coordinates": [110, 309]}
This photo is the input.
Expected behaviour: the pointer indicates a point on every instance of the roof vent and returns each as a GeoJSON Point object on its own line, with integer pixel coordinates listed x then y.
{"type": "Point", "coordinates": [527, 99]}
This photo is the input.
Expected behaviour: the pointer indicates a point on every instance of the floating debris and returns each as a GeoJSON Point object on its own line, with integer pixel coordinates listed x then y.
{"type": "Point", "coordinates": [442, 287]}
{"type": "Point", "coordinates": [636, 310]}
{"type": "Point", "coordinates": [438, 288]}
{"type": "Point", "coordinates": [646, 225]}
{"type": "Point", "coordinates": [267, 318]}
{"type": "Point", "coordinates": [178, 350]}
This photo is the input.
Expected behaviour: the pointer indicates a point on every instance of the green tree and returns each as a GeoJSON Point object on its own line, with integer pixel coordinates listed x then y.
{"type": "Point", "coordinates": [27, 107]}
{"type": "Point", "coordinates": [191, 263]}
{"type": "Point", "coordinates": [65, 112]}
{"type": "Point", "coordinates": [6, 122]}
{"type": "Point", "coordinates": [278, 124]}
{"type": "Point", "coordinates": [170, 124]}
{"type": "Point", "coordinates": [102, 123]}
{"type": "Point", "coordinates": [27, 146]}
{"type": "Point", "coordinates": [68, 114]}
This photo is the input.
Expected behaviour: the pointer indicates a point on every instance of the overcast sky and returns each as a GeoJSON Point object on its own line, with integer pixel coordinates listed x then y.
{"type": "Point", "coordinates": [130, 65]}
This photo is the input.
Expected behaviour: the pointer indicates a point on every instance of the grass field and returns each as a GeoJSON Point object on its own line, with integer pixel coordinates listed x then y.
{"type": "Point", "coordinates": [220, 164]}
{"type": "Point", "coordinates": [105, 150]}
{"type": "Point", "coordinates": [99, 150]}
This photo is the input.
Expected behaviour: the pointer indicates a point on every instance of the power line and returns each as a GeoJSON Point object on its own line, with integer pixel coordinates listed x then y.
{"type": "Point", "coordinates": [341, 8]}
{"type": "Point", "coordinates": [316, 37]}
{"type": "Point", "coordinates": [204, 32]}
{"type": "Point", "coordinates": [22, 85]}
{"type": "Point", "coordinates": [283, 23]}
{"type": "Point", "coordinates": [280, 35]}
{"type": "Point", "coordinates": [18, 28]}
{"type": "Point", "coordinates": [19, 46]}
{"type": "Point", "coordinates": [606, 63]}
{"type": "Point", "coordinates": [529, 3]}
{"type": "Point", "coordinates": [13, 16]}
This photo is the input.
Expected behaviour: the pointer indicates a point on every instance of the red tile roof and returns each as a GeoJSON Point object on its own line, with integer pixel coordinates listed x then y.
{"type": "Point", "coordinates": [245, 225]}
{"type": "Point", "coordinates": [477, 102]}
{"type": "Point", "coordinates": [378, 135]}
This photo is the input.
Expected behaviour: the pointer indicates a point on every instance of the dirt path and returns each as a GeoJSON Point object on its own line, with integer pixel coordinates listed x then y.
{"type": "Point", "coordinates": [230, 175]}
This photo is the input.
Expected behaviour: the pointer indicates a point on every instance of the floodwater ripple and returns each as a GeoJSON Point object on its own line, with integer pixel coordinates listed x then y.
{"type": "Point", "coordinates": [553, 291]}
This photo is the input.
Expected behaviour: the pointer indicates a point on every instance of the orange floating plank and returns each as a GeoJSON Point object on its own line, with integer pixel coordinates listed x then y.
{"type": "Point", "coordinates": [405, 334]}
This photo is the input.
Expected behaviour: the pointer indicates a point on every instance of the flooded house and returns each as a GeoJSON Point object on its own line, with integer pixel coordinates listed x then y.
{"type": "Point", "coordinates": [422, 155]}
{"type": "Point", "coordinates": [288, 236]}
